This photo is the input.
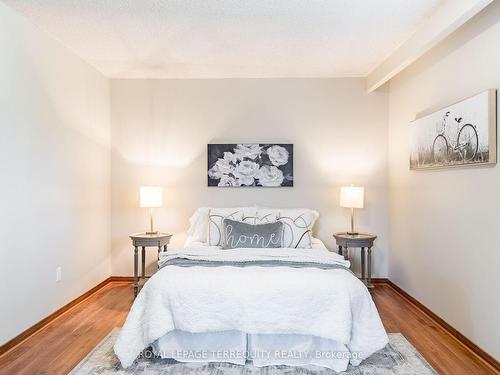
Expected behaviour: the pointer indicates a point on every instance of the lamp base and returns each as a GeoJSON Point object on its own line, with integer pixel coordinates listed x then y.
{"type": "Point", "coordinates": [152, 233]}
{"type": "Point", "coordinates": [352, 233]}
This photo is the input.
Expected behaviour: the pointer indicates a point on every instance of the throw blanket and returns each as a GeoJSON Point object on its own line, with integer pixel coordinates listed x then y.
{"type": "Point", "coordinates": [305, 292]}
{"type": "Point", "coordinates": [299, 258]}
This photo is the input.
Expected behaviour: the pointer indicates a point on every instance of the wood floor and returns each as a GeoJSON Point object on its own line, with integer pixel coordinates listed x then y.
{"type": "Point", "coordinates": [58, 347]}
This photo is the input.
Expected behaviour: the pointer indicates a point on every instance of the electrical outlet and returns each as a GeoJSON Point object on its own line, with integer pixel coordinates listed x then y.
{"type": "Point", "coordinates": [58, 274]}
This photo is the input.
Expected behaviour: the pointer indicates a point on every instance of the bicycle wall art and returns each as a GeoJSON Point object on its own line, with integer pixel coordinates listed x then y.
{"type": "Point", "coordinates": [461, 134]}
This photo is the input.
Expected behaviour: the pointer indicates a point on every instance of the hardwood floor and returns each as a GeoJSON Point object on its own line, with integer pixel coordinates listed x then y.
{"type": "Point", "coordinates": [445, 354]}
{"type": "Point", "coordinates": [59, 346]}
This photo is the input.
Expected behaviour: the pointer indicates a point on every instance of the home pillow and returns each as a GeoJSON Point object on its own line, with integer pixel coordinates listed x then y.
{"type": "Point", "coordinates": [297, 225]}
{"type": "Point", "coordinates": [243, 235]}
{"type": "Point", "coordinates": [217, 215]}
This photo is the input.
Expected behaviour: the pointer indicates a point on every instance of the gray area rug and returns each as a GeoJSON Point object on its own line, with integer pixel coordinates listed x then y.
{"type": "Point", "coordinates": [398, 357]}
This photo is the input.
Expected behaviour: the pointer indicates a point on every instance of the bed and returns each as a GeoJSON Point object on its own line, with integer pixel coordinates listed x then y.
{"type": "Point", "coordinates": [298, 305]}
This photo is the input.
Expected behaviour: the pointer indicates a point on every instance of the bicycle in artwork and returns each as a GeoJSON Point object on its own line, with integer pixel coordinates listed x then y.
{"type": "Point", "coordinates": [464, 148]}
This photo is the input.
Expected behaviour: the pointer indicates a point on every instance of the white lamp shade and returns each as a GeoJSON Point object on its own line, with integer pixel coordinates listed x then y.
{"type": "Point", "coordinates": [352, 196]}
{"type": "Point", "coordinates": [151, 196]}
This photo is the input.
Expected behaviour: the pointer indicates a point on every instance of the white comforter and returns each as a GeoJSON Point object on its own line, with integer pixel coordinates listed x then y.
{"type": "Point", "coordinates": [328, 303]}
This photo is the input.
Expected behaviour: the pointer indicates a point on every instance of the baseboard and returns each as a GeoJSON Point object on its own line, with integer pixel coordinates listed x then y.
{"type": "Point", "coordinates": [379, 280]}
{"type": "Point", "coordinates": [480, 353]}
{"type": "Point", "coordinates": [42, 323]}
{"type": "Point", "coordinates": [121, 279]}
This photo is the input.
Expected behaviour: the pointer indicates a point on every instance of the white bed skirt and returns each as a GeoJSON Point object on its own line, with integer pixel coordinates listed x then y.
{"type": "Point", "coordinates": [262, 349]}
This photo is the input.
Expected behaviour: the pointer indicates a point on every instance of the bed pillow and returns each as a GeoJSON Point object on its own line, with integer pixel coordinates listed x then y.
{"type": "Point", "coordinates": [297, 225]}
{"type": "Point", "coordinates": [198, 229]}
{"type": "Point", "coordinates": [243, 235]}
{"type": "Point", "coordinates": [217, 215]}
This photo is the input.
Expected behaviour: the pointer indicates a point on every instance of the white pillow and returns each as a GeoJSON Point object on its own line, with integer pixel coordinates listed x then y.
{"type": "Point", "coordinates": [197, 232]}
{"type": "Point", "coordinates": [297, 225]}
{"type": "Point", "coordinates": [217, 215]}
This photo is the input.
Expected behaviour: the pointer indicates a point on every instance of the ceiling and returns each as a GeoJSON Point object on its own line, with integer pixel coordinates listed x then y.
{"type": "Point", "coordinates": [230, 38]}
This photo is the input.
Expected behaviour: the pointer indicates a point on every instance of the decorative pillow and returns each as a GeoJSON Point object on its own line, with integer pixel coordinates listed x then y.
{"type": "Point", "coordinates": [238, 235]}
{"type": "Point", "coordinates": [261, 218]}
{"type": "Point", "coordinates": [217, 215]}
{"type": "Point", "coordinates": [297, 225]}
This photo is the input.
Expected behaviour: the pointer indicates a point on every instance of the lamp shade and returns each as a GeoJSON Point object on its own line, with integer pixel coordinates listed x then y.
{"type": "Point", "coordinates": [352, 196]}
{"type": "Point", "coordinates": [151, 196]}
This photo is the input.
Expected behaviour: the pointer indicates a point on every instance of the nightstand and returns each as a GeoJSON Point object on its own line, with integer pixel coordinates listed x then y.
{"type": "Point", "coordinates": [362, 241]}
{"type": "Point", "coordinates": [143, 240]}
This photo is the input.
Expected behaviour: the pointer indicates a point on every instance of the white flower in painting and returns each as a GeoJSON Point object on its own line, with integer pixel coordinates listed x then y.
{"type": "Point", "coordinates": [246, 171]}
{"type": "Point", "coordinates": [214, 173]}
{"type": "Point", "coordinates": [247, 150]}
{"type": "Point", "coordinates": [228, 181]}
{"type": "Point", "coordinates": [230, 157]}
{"type": "Point", "coordinates": [269, 175]}
{"type": "Point", "coordinates": [278, 155]}
{"type": "Point", "coordinates": [225, 165]}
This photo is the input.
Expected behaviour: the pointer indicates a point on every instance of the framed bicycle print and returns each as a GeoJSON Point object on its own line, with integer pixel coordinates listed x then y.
{"type": "Point", "coordinates": [462, 134]}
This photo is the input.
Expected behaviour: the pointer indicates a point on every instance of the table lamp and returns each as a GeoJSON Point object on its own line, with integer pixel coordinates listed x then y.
{"type": "Point", "coordinates": [352, 197]}
{"type": "Point", "coordinates": [151, 197]}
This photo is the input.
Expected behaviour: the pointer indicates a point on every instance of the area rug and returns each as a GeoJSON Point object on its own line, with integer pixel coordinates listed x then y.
{"type": "Point", "coordinates": [399, 357]}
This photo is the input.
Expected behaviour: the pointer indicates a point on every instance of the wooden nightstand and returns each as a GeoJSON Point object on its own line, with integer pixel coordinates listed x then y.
{"type": "Point", "coordinates": [361, 240]}
{"type": "Point", "coordinates": [159, 241]}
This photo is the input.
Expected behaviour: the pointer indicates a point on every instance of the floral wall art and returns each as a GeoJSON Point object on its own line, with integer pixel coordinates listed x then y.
{"type": "Point", "coordinates": [250, 165]}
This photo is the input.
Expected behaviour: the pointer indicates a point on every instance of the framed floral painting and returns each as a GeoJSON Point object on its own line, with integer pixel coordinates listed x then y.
{"type": "Point", "coordinates": [250, 165]}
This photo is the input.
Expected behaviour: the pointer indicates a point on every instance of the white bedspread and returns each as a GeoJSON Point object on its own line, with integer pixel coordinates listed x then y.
{"type": "Point", "coordinates": [327, 303]}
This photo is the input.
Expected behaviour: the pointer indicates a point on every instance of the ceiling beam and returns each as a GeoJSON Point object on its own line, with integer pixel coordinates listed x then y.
{"type": "Point", "coordinates": [447, 18]}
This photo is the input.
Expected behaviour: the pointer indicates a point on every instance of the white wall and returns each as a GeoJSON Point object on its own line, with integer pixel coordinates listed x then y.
{"type": "Point", "coordinates": [54, 175]}
{"type": "Point", "coordinates": [160, 131]}
{"type": "Point", "coordinates": [444, 223]}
